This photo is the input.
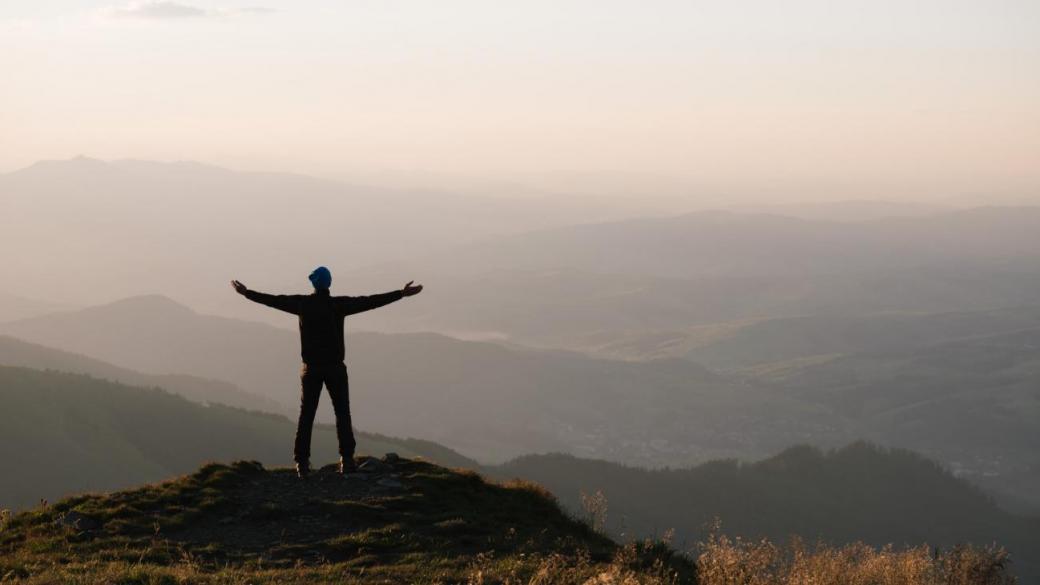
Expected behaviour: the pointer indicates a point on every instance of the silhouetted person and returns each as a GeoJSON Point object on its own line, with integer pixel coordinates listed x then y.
{"type": "Point", "coordinates": [321, 344]}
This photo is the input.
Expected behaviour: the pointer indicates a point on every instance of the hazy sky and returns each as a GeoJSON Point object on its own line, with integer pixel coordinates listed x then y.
{"type": "Point", "coordinates": [847, 98]}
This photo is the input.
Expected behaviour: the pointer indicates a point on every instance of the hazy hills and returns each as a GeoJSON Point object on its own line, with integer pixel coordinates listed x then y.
{"type": "Point", "coordinates": [522, 401]}
{"type": "Point", "coordinates": [186, 228]}
{"type": "Point", "coordinates": [720, 244]}
{"type": "Point", "coordinates": [516, 401]}
{"type": "Point", "coordinates": [758, 343]}
{"type": "Point", "coordinates": [852, 210]}
{"type": "Point", "coordinates": [563, 286]}
{"type": "Point", "coordinates": [154, 335]}
{"type": "Point", "coordinates": [581, 310]}
{"type": "Point", "coordinates": [65, 433]}
{"type": "Point", "coordinates": [14, 352]}
{"type": "Point", "coordinates": [715, 333]}
{"type": "Point", "coordinates": [920, 382]}
{"type": "Point", "coordinates": [537, 272]}
{"type": "Point", "coordinates": [547, 271]}
{"type": "Point", "coordinates": [972, 402]}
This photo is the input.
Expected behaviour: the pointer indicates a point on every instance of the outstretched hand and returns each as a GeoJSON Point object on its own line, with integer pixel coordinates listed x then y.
{"type": "Point", "coordinates": [239, 287]}
{"type": "Point", "coordinates": [411, 289]}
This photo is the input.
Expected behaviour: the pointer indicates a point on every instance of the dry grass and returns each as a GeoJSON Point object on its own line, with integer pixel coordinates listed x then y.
{"type": "Point", "coordinates": [721, 561]}
{"type": "Point", "coordinates": [725, 561]}
{"type": "Point", "coordinates": [642, 563]}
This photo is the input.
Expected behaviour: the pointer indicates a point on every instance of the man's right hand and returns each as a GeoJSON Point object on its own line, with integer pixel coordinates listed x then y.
{"type": "Point", "coordinates": [239, 287]}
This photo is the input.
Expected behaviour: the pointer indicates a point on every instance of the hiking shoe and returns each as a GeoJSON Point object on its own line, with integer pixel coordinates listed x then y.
{"type": "Point", "coordinates": [303, 469]}
{"type": "Point", "coordinates": [347, 465]}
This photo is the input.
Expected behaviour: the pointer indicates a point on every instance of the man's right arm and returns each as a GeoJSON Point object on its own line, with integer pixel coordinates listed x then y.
{"type": "Point", "coordinates": [287, 303]}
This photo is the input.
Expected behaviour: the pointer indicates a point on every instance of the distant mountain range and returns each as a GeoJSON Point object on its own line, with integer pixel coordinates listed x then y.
{"type": "Point", "coordinates": [758, 343]}
{"type": "Point", "coordinates": [617, 283]}
{"type": "Point", "coordinates": [851, 210]}
{"type": "Point", "coordinates": [549, 270]}
{"type": "Point", "coordinates": [488, 401]}
{"type": "Point", "coordinates": [135, 227]}
{"type": "Point", "coordinates": [14, 352]}
{"type": "Point", "coordinates": [701, 335]}
{"type": "Point", "coordinates": [969, 401]}
{"type": "Point", "coordinates": [155, 335]}
{"type": "Point", "coordinates": [728, 245]}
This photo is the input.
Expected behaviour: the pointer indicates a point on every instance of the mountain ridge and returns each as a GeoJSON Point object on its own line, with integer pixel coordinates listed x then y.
{"type": "Point", "coordinates": [858, 492]}
{"type": "Point", "coordinates": [15, 352]}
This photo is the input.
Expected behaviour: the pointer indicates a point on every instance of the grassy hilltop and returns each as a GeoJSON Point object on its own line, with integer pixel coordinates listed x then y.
{"type": "Point", "coordinates": [409, 521]}
{"type": "Point", "coordinates": [405, 521]}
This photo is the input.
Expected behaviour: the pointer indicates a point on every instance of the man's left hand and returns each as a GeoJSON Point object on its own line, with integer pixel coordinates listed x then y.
{"type": "Point", "coordinates": [411, 289]}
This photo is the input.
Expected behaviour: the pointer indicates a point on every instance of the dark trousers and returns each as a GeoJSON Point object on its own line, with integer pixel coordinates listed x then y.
{"type": "Point", "coordinates": [334, 377]}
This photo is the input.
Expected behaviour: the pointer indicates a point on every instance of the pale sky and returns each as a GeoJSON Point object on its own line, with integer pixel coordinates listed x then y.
{"type": "Point", "coordinates": [895, 98]}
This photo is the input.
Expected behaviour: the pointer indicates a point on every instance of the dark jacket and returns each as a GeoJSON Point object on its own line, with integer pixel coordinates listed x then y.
{"type": "Point", "coordinates": [321, 319]}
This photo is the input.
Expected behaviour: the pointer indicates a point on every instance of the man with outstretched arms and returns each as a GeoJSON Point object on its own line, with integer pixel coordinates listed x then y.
{"type": "Point", "coordinates": [321, 318]}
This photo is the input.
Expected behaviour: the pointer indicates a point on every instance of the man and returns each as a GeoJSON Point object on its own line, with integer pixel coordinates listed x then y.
{"type": "Point", "coordinates": [321, 343]}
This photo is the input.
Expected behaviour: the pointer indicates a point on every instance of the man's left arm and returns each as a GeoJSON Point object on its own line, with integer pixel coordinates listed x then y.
{"type": "Point", "coordinates": [354, 305]}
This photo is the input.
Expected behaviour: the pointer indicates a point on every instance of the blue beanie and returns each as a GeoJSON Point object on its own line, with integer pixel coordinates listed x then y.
{"type": "Point", "coordinates": [321, 277]}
